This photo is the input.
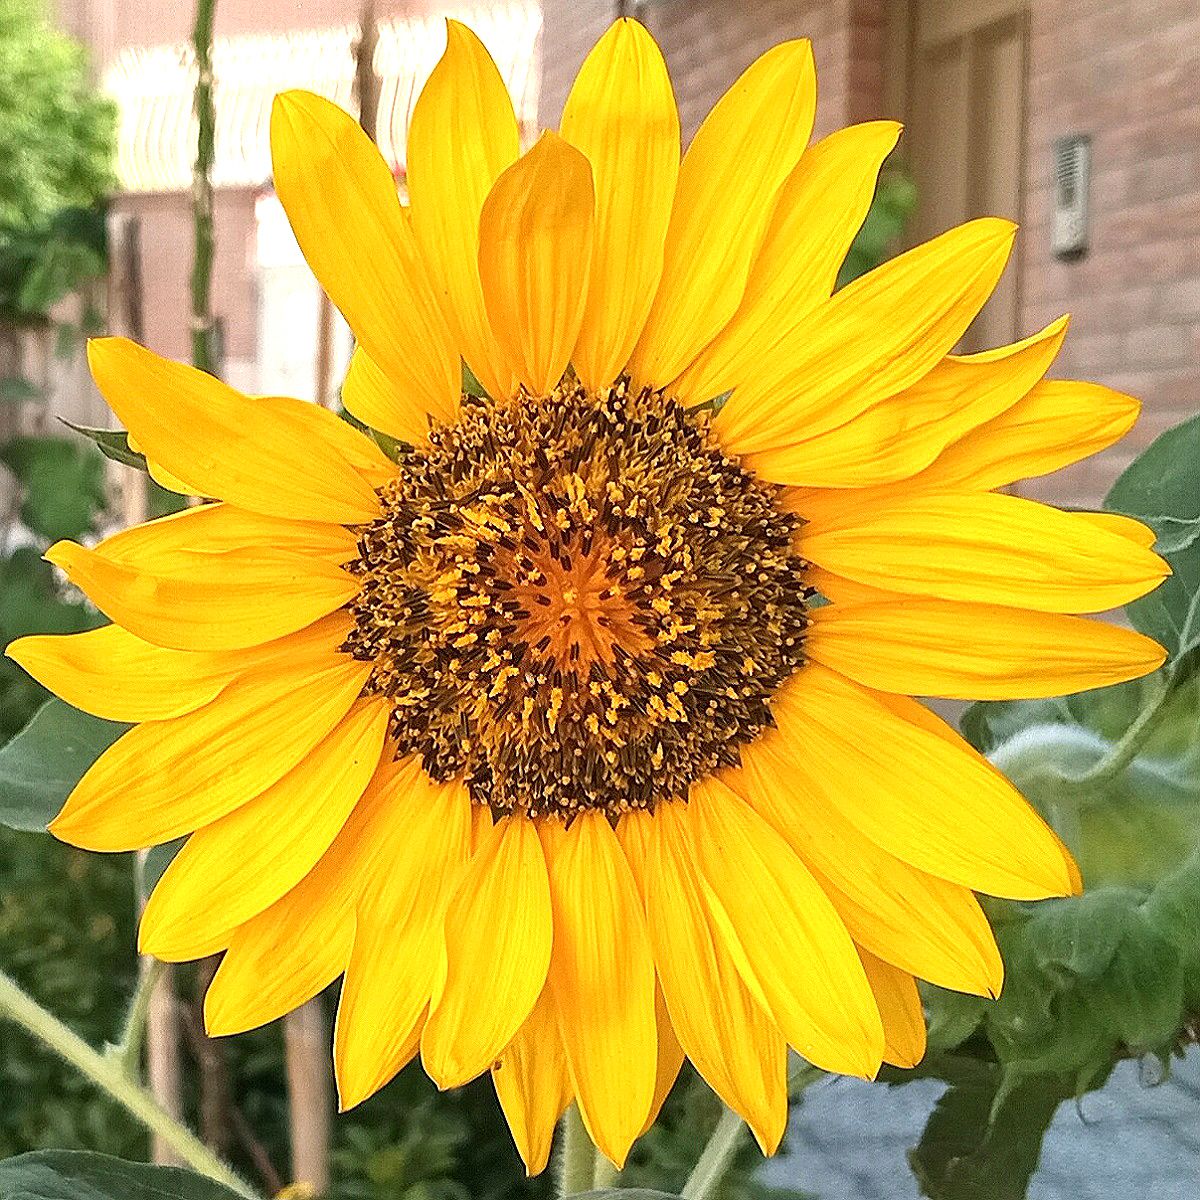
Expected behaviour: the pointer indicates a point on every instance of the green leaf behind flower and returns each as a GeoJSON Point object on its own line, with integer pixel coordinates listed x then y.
{"type": "Point", "coordinates": [44, 762]}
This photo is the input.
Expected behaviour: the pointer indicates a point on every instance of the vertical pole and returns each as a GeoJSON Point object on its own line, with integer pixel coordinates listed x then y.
{"type": "Point", "coordinates": [203, 350]}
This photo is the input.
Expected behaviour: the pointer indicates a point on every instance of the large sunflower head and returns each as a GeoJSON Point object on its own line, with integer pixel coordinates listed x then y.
{"type": "Point", "coordinates": [577, 734]}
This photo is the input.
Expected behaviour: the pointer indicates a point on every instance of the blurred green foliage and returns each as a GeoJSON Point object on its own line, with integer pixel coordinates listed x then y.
{"type": "Point", "coordinates": [56, 132]}
{"type": "Point", "coordinates": [894, 203]}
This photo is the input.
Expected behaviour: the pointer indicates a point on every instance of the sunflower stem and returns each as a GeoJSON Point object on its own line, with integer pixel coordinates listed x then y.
{"type": "Point", "coordinates": [1130, 745]}
{"type": "Point", "coordinates": [722, 1146]}
{"type": "Point", "coordinates": [716, 1158]}
{"type": "Point", "coordinates": [605, 1173]}
{"type": "Point", "coordinates": [128, 1051]}
{"type": "Point", "coordinates": [577, 1159]}
{"type": "Point", "coordinates": [108, 1073]}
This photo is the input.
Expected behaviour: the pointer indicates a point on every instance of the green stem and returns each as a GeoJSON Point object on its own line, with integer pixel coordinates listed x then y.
{"type": "Point", "coordinates": [577, 1159]}
{"type": "Point", "coordinates": [717, 1157]}
{"type": "Point", "coordinates": [1130, 745]}
{"type": "Point", "coordinates": [128, 1051]}
{"type": "Point", "coordinates": [605, 1173]}
{"type": "Point", "coordinates": [109, 1074]}
{"type": "Point", "coordinates": [203, 351]}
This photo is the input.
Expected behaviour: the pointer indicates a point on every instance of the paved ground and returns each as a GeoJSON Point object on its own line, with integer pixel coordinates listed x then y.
{"type": "Point", "coordinates": [848, 1141]}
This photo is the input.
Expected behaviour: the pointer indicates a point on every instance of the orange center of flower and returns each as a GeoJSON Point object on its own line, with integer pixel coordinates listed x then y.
{"type": "Point", "coordinates": [577, 601]}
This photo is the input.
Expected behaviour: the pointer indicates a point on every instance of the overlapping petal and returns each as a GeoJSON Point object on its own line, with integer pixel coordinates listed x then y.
{"type": "Point", "coordinates": [535, 253]}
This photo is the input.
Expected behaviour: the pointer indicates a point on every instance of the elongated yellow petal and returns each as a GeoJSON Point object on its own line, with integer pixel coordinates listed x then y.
{"type": "Point", "coordinates": [1126, 527]}
{"type": "Point", "coordinates": [1057, 423]}
{"type": "Point", "coordinates": [920, 715]}
{"type": "Point", "coordinates": [167, 778]}
{"type": "Point", "coordinates": [874, 338]}
{"type": "Point", "coordinates": [634, 831]}
{"type": "Point", "coordinates": [926, 925]}
{"type": "Point", "coordinates": [900, 1007]}
{"type": "Point", "coordinates": [222, 602]}
{"type": "Point", "coordinates": [929, 647]}
{"type": "Point", "coordinates": [297, 947]}
{"type": "Point", "coordinates": [110, 673]}
{"type": "Point", "coordinates": [535, 250]}
{"type": "Point", "coordinates": [171, 543]}
{"type": "Point", "coordinates": [272, 455]}
{"type": "Point", "coordinates": [462, 135]}
{"type": "Point", "coordinates": [498, 934]}
{"type": "Point", "coordinates": [926, 798]}
{"type": "Point", "coordinates": [900, 436]}
{"type": "Point", "coordinates": [730, 1040]}
{"type": "Point", "coordinates": [398, 944]}
{"type": "Point", "coordinates": [621, 113]}
{"type": "Point", "coordinates": [242, 863]}
{"type": "Point", "coordinates": [608, 1030]}
{"type": "Point", "coordinates": [340, 198]}
{"type": "Point", "coordinates": [773, 915]}
{"type": "Point", "coordinates": [378, 403]}
{"type": "Point", "coordinates": [728, 182]}
{"type": "Point", "coordinates": [986, 547]}
{"type": "Point", "coordinates": [533, 1084]}
{"type": "Point", "coordinates": [820, 208]}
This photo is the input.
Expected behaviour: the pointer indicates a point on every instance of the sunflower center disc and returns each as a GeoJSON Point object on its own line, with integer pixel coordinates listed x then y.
{"type": "Point", "coordinates": [577, 601]}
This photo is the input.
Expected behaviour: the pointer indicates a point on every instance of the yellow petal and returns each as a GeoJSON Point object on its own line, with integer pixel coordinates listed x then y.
{"type": "Point", "coordinates": [220, 602]}
{"type": "Point", "coordinates": [377, 402]}
{"type": "Point", "coordinates": [730, 1040]}
{"type": "Point", "coordinates": [916, 713]}
{"type": "Point", "coordinates": [398, 944]}
{"type": "Point", "coordinates": [773, 915]}
{"type": "Point", "coordinates": [621, 114]}
{"type": "Point", "coordinates": [900, 436]}
{"type": "Point", "coordinates": [874, 338]}
{"type": "Point", "coordinates": [728, 183]}
{"type": "Point", "coordinates": [1057, 423]}
{"type": "Point", "coordinates": [174, 541]}
{"type": "Point", "coordinates": [926, 798]}
{"type": "Point", "coordinates": [498, 934]}
{"type": "Point", "coordinates": [926, 925]}
{"type": "Point", "coordinates": [634, 831]}
{"type": "Point", "coordinates": [462, 135]}
{"type": "Point", "coordinates": [985, 547]}
{"type": "Point", "coordinates": [533, 1084]}
{"type": "Point", "coordinates": [340, 198]}
{"type": "Point", "coordinates": [110, 673]}
{"type": "Point", "coordinates": [1126, 527]}
{"type": "Point", "coordinates": [929, 647]}
{"type": "Point", "coordinates": [821, 207]}
{"type": "Point", "coordinates": [242, 863]}
{"type": "Point", "coordinates": [602, 982]}
{"type": "Point", "coordinates": [535, 249]}
{"type": "Point", "coordinates": [900, 1007]}
{"type": "Point", "coordinates": [167, 778]}
{"type": "Point", "coordinates": [297, 947]}
{"type": "Point", "coordinates": [272, 455]}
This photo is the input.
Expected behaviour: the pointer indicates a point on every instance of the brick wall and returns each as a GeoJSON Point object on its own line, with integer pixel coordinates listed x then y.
{"type": "Point", "coordinates": [708, 43]}
{"type": "Point", "coordinates": [1125, 72]}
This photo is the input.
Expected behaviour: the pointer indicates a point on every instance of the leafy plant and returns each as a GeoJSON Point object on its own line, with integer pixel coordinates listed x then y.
{"type": "Point", "coordinates": [1114, 973]}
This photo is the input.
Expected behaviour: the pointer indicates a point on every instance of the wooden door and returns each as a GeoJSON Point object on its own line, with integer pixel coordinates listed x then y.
{"type": "Point", "coordinates": [964, 102]}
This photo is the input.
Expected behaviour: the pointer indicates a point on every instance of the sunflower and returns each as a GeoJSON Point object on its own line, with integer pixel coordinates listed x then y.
{"type": "Point", "coordinates": [576, 732]}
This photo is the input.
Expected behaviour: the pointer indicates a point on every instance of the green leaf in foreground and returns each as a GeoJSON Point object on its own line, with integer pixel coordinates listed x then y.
{"type": "Point", "coordinates": [113, 443]}
{"type": "Point", "coordinates": [81, 1175]}
{"type": "Point", "coordinates": [41, 765]}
